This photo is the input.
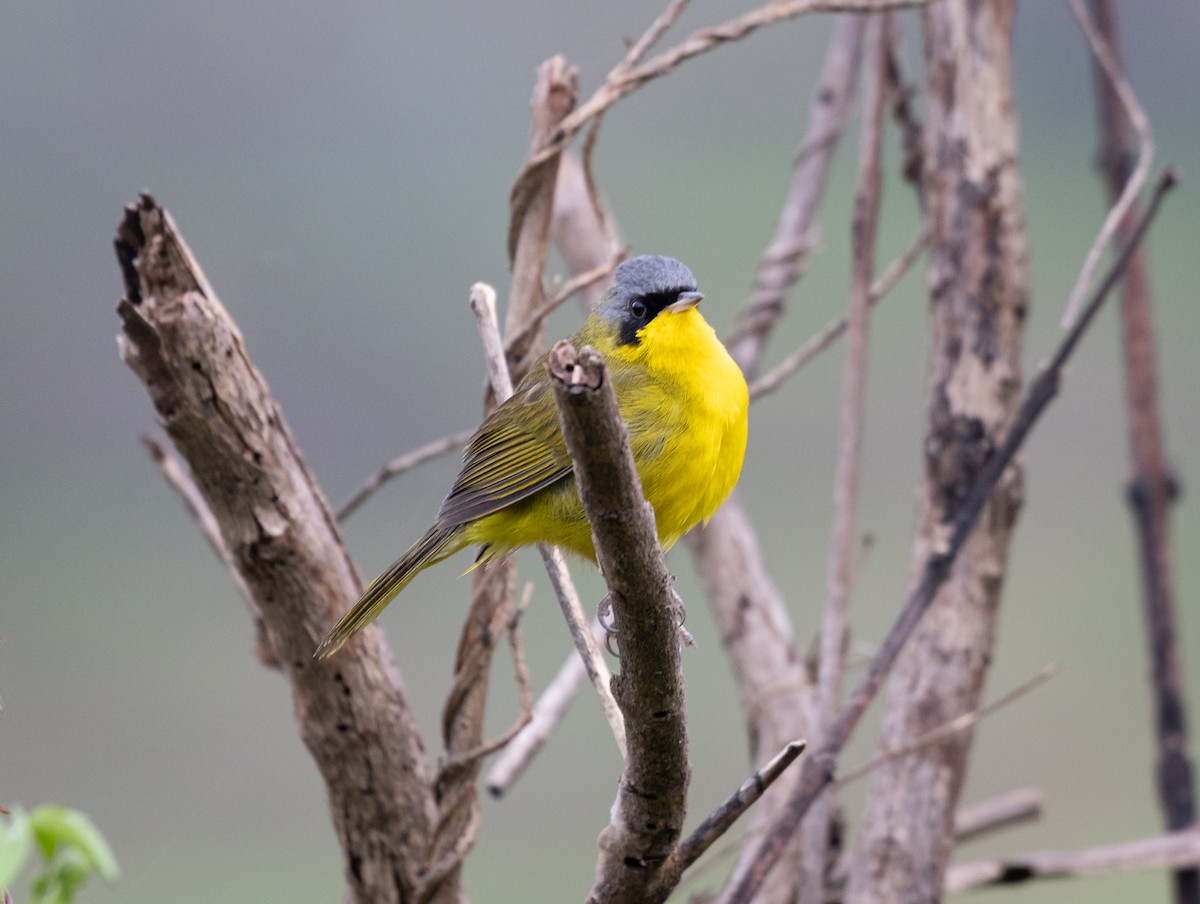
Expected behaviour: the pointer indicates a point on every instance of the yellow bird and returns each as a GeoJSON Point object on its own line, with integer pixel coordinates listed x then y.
{"type": "Point", "coordinates": [681, 395]}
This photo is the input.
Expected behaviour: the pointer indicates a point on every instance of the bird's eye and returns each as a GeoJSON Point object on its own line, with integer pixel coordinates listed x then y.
{"type": "Point", "coordinates": [638, 308]}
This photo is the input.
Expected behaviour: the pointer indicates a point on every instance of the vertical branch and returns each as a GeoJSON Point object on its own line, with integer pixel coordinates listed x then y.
{"type": "Point", "coordinates": [776, 692]}
{"type": "Point", "coordinates": [978, 283]}
{"type": "Point", "coordinates": [639, 858]}
{"type": "Point", "coordinates": [1152, 486]}
{"type": "Point", "coordinates": [835, 629]}
{"type": "Point", "coordinates": [781, 262]}
{"type": "Point", "coordinates": [492, 585]}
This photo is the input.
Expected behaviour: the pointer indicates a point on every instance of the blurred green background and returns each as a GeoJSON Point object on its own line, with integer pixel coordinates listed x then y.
{"type": "Point", "coordinates": [342, 171]}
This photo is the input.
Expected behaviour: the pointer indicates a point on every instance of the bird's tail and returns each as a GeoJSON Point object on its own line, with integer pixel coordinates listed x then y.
{"type": "Point", "coordinates": [437, 543]}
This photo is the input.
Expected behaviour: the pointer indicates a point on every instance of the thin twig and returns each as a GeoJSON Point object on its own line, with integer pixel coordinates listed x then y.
{"type": "Point", "coordinates": [1141, 125]}
{"type": "Point", "coordinates": [781, 263]}
{"type": "Point", "coordinates": [1001, 811]}
{"type": "Point", "coordinates": [548, 710]}
{"type": "Point", "coordinates": [960, 724]}
{"type": "Point", "coordinates": [775, 377]}
{"type": "Point", "coordinates": [576, 283]}
{"type": "Point", "coordinates": [636, 52]}
{"type": "Point", "coordinates": [722, 819]}
{"type": "Point", "coordinates": [818, 769]}
{"type": "Point", "coordinates": [193, 500]}
{"type": "Point", "coordinates": [623, 82]}
{"type": "Point", "coordinates": [835, 626]}
{"type": "Point", "coordinates": [1171, 850]}
{"type": "Point", "coordinates": [524, 691]}
{"type": "Point", "coordinates": [584, 639]}
{"type": "Point", "coordinates": [483, 304]}
{"type": "Point", "coordinates": [399, 465]}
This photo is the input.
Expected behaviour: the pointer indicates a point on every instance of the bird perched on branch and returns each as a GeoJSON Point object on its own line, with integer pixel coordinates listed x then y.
{"type": "Point", "coordinates": [681, 395]}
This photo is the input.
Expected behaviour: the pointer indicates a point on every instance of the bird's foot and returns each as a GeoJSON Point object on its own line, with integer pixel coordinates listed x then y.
{"type": "Point", "coordinates": [607, 619]}
{"type": "Point", "coordinates": [680, 617]}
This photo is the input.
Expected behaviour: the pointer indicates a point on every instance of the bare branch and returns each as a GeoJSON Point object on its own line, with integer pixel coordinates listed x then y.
{"type": "Point", "coordinates": [817, 770]}
{"type": "Point", "coordinates": [722, 819]}
{"type": "Point", "coordinates": [492, 583]}
{"type": "Point", "coordinates": [1152, 487]}
{"type": "Point", "coordinates": [584, 640]}
{"type": "Point", "coordinates": [351, 711]}
{"type": "Point", "coordinates": [547, 712]}
{"type": "Point", "coordinates": [483, 306]}
{"type": "Point", "coordinates": [588, 279]}
{"type": "Point", "coordinates": [1018, 805]}
{"type": "Point", "coordinates": [652, 797]}
{"type": "Point", "coordinates": [621, 82]}
{"type": "Point", "coordinates": [1141, 172]}
{"type": "Point", "coordinates": [835, 626]}
{"type": "Point", "coordinates": [525, 693]}
{"type": "Point", "coordinates": [1171, 850]}
{"type": "Point", "coordinates": [780, 265]}
{"type": "Point", "coordinates": [193, 500]}
{"type": "Point", "coordinates": [892, 274]}
{"type": "Point", "coordinates": [483, 303]}
{"type": "Point", "coordinates": [954, 726]}
{"type": "Point", "coordinates": [399, 465]}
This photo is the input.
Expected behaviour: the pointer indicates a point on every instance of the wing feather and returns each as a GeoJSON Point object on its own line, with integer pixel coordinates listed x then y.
{"type": "Point", "coordinates": [517, 451]}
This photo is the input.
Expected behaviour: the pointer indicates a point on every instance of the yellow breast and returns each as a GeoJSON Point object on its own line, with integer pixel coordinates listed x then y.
{"type": "Point", "coordinates": [686, 404]}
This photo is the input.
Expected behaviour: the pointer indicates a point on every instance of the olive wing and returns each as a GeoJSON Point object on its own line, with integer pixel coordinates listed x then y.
{"type": "Point", "coordinates": [517, 451]}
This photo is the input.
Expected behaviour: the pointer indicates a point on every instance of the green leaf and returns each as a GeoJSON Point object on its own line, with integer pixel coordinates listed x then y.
{"type": "Point", "coordinates": [16, 840]}
{"type": "Point", "coordinates": [58, 827]}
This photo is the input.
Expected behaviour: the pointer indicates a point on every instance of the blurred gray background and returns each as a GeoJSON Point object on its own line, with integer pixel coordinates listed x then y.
{"type": "Point", "coordinates": [342, 172]}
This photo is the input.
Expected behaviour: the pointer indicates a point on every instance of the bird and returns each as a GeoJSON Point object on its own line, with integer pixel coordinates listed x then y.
{"type": "Point", "coordinates": [685, 403]}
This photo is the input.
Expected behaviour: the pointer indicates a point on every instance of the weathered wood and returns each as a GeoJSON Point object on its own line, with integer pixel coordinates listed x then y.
{"type": "Point", "coordinates": [351, 710]}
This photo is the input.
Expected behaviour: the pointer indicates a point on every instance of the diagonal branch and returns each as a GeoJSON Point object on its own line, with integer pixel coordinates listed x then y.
{"type": "Point", "coordinates": [1135, 180]}
{"type": "Point", "coordinates": [781, 263]}
{"type": "Point", "coordinates": [622, 81]}
{"type": "Point", "coordinates": [817, 771]}
{"type": "Point", "coordinates": [648, 815]}
{"type": "Point", "coordinates": [351, 712]}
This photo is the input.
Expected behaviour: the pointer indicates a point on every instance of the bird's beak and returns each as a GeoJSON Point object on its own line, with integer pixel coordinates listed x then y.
{"type": "Point", "coordinates": [685, 302]}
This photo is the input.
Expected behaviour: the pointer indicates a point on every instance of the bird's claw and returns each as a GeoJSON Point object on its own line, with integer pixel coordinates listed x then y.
{"type": "Point", "coordinates": [607, 619]}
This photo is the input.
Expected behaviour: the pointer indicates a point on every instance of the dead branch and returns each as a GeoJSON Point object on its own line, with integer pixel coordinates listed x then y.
{"type": "Point", "coordinates": [817, 770]}
{"type": "Point", "coordinates": [958, 724]}
{"type": "Point", "coordinates": [492, 584]}
{"type": "Point", "coordinates": [722, 819]}
{"type": "Point", "coordinates": [1171, 850]}
{"type": "Point", "coordinates": [351, 711]}
{"type": "Point", "coordinates": [193, 500]}
{"type": "Point", "coordinates": [892, 274]}
{"type": "Point", "coordinates": [978, 294]}
{"type": "Point", "coordinates": [401, 464]}
{"type": "Point", "coordinates": [780, 265]}
{"type": "Point", "coordinates": [776, 692]}
{"type": "Point", "coordinates": [622, 81]}
{"type": "Point", "coordinates": [483, 303]}
{"type": "Point", "coordinates": [1135, 180]}
{"type": "Point", "coordinates": [652, 796]}
{"type": "Point", "coordinates": [1009, 808]}
{"type": "Point", "coordinates": [1152, 486]}
{"type": "Point", "coordinates": [582, 228]}
{"type": "Point", "coordinates": [547, 712]}
{"type": "Point", "coordinates": [835, 627]}
{"type": "Point", "coordinates": [584, 639]}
